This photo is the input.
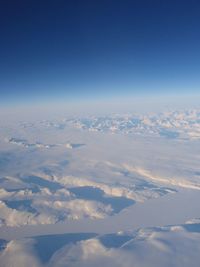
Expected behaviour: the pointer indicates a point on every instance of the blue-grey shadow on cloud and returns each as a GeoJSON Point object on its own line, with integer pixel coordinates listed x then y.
{"type": "Point", "coordinates": [38, 181]}
{"type": "Point", "coordinates": [193, 227]}
{"type": "Point", "coordinates": [3, 244]}
{"type": "Point", "coordinates": [47, 245]}
{"type": "Point", "coordinates": [114, 240]}
{"type": "Point", "coordinates": [96, 194]}
{"type": "Point", "coordinates": [169, 134]}
{"type": "Point", "coordinates": [21, 205]}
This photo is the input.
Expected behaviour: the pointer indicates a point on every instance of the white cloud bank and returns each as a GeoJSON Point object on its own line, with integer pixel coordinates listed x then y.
{"type": "Point", "coordinates": [166, 246]}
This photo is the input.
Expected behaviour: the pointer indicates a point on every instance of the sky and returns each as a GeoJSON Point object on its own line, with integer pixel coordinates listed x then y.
{"type": "Point", "coordinates": [74, 50]}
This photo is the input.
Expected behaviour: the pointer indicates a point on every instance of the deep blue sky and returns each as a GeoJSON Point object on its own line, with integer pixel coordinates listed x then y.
{"type": "Point", "coordinates": [80, 49]}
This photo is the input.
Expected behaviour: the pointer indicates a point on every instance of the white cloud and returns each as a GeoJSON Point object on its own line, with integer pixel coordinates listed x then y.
{"type": "Point", "coordinates": [169, 246]}
{"type": "Point", "coordinates": [73, 209]}
{"type": "Point", "coordinates": [19, 253]}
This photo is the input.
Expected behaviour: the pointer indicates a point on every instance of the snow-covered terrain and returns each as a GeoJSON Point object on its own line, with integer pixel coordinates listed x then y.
{"type": "Point", "coordinates": [94, 174]}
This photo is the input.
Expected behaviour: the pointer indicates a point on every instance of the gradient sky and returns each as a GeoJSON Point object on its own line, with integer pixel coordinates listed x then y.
{"type": "Point", "coordinates": [91, 49]}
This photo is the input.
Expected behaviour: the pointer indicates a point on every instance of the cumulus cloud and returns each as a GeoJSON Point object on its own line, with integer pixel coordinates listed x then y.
{"type": "Point", "coordinates": [167, 246]}
{"type": "Point", "coordinates": [73, 209]}
{"type": "Point", "coordinates": [19, 253]}
{"type": "Point", "coordinates": [85, 254]}
{"type": "Point", "coordinates": [13, 217]}
{"type": "Point", "coordinates": [109, 190]}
